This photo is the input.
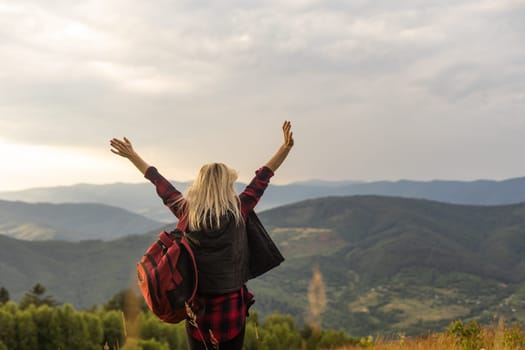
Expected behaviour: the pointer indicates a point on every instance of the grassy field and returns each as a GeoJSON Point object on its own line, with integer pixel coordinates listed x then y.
{"type": "Point", "coordinates": [459, 336]}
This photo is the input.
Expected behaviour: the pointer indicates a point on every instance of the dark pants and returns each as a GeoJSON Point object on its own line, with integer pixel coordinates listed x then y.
{"type": "Point", "coordinates": [233, 344]}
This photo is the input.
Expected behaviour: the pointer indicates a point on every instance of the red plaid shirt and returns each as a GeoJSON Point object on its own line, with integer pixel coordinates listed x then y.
{"type": "Point", "coordinates": [224, 315]}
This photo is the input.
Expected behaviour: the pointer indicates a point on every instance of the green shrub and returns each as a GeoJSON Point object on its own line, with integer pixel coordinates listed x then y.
{"type": "Point", "coordinates": [468, 336]}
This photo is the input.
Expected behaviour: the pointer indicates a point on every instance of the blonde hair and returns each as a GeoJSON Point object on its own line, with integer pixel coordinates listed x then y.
{"type": "Point", "coordinates": [211, 197]}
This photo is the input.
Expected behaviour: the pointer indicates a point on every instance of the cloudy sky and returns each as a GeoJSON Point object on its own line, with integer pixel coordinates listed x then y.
{"type": "Point", "coordinates": [375, 89]}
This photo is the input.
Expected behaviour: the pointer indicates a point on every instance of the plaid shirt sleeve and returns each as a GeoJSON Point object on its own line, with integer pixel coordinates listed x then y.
{"type": "Point", "coordinates": [255, 189]}
{"type": "Point", "coordinates": [170, 196]}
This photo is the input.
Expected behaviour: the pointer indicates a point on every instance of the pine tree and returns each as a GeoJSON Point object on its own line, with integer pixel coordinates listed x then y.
{"type": "Point", "coordinates": [113, 328]}
{"type": "Point", "coordinates": [4, 296]}
{"type": "Point", "coordinates": [270, 342]}
{"type": "Point", "coordinates": [42, 318]}
{"type": "Point", "coordinates": [8, 329]}
{"type": "Point", "coordinates": [283, 328]}
{"type": "Point", "coordinates": [94, 330]}
{"type": "Point", "coordinates": [26, 331]}
{"type": "Point", "coordinates": [56, 330]}
{"type": "Point", "coordinates": [75, 328]}
{"type": "Point", "coordinates": [10, 307]}
{"type": "Point", "coordinates": [36, 297]}
{"type": "Point", "coordinates": [129, 302]}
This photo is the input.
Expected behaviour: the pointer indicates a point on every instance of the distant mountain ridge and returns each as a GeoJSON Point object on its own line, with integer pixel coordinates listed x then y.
{"type": "Point", "coordinates": [72, 222]}
{"type": "Point", "coordinates": [141, 198]}
{"type": "Point", "coordinates": [389, 264]}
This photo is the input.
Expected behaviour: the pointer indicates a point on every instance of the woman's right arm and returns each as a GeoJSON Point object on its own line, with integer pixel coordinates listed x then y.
{"type": "Point", "coordinates": [275, 162]}
{"type": "Point", "coordinates": [170, 196]}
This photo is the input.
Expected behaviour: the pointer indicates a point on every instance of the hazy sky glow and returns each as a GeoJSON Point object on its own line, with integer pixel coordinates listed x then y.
{"type": "Point", "coordinates": [375, 89]}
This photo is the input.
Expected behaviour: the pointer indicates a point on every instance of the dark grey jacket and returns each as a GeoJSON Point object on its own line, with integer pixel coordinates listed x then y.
{"type": "Point", "coordinates": [222, 258]}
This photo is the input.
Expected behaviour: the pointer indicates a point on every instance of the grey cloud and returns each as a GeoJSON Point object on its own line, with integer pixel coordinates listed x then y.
{"type": "Point", "coordinates": [129, 66]}
{"type": "Point", "coordinates": [461, 81]}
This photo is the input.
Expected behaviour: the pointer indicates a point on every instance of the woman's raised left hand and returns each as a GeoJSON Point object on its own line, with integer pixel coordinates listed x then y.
{"type": "Point", "coordinates": [123, 148]}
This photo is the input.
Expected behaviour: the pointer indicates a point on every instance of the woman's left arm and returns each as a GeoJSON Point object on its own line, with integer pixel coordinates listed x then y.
{"type": "Point", "coordinates": [170, 196]}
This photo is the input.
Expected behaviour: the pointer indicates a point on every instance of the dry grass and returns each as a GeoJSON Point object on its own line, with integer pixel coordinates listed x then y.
{"type": "Point", "coordinates": [492, 338]}
{"type": "Point", "coordinates": [433, 342]}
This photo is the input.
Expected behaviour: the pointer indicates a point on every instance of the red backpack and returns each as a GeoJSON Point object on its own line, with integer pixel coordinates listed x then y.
{"type": "Point", "coordinates": [167, 276]}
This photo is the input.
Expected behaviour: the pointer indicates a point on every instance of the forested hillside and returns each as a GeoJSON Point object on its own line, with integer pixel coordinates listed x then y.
{"type": "Point", "coordinates": [388, 264]}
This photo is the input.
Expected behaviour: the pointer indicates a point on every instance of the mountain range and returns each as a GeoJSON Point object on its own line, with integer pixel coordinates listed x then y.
{"type": "Point", "coordinates": [71, 221]}
{"type": "Point", "coordinates": [141, 198]}
{"type": "Point", "coordinates": [389, 264]}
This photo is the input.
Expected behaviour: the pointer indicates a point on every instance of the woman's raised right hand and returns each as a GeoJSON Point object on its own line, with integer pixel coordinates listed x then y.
{"type": "Point", "coordinates": [288, 134]}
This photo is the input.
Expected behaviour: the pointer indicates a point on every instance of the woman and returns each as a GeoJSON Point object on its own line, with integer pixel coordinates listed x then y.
{"type": "Point", "coordinates": [214, 216]}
